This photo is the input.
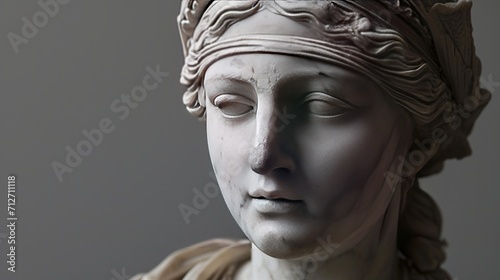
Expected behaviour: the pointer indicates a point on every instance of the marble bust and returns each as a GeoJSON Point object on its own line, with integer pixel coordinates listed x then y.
{"type": "Point", "coordinates": [321, 116]}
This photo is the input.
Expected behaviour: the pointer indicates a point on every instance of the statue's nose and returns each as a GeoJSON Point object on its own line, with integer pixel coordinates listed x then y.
{"type": "Point", "coordinates": [269, 149]}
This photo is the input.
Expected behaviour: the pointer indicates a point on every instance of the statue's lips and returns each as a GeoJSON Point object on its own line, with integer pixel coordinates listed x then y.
{"type": "Point", "coordinates": [275, 206]}
{"type": "Point", "coordinates": [275, 193]}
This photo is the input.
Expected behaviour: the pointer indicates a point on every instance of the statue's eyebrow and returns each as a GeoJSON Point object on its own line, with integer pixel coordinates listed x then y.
{"type": "Point", "coordinates": [227, 81]}
{"type": "Point", "coordinates": [232, 77]}
{"type": "Point", "coordinates": [306, 75]}
{"type": "Point", "coordinates": [299, 79]}
{"type": "Point", "coordinates": [344, 86]}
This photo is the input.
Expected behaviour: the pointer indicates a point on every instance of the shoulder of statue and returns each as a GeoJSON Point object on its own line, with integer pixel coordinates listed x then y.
{"type": "Point", "coordinates": [210, 259]}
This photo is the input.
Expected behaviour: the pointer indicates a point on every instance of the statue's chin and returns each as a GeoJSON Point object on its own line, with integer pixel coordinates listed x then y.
{"type": "Point", "coordinates": [284, 246]}
{"type": "Point", "coordinates": [280, 249]}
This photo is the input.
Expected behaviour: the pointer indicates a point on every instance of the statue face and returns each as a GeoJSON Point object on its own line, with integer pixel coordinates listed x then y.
{"type": "Point", "coordinates": [295, 144]}
{"type": "Point", "coordinates": [299, 147]}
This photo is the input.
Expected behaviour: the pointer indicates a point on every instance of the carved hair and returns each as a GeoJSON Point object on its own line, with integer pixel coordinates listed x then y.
{"type": "Point", "coordinates": [421, 53]}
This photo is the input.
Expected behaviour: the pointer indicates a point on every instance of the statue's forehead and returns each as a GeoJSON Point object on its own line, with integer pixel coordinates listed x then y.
{"type": "Point", "coordinates": [285, 73]}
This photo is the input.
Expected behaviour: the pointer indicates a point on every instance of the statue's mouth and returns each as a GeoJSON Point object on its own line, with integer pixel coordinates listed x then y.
{"type": "Point", "coordinates": [277, 199]}
{"type": "Point", "coordinates": [277, 205]}
{"type": "Point", "coordinates": [276, 195]}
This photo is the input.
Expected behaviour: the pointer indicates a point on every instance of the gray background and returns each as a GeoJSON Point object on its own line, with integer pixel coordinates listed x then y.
{"type": "Point", "coordinates": [117, 212]}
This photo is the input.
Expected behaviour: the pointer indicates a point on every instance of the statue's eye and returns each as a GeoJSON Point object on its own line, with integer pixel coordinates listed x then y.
{"type": "Point", "coordinates": [233, 106]}
{"type": "Point", "coordinates": [325, 106]}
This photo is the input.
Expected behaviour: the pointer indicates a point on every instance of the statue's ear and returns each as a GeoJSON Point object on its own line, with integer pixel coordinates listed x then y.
{"type": "Point", "coordinates": [202, 96]}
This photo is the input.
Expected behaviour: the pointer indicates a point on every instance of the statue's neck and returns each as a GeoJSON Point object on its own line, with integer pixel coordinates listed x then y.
{"type": "Point", "coordinates": [367, 261]}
